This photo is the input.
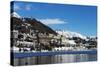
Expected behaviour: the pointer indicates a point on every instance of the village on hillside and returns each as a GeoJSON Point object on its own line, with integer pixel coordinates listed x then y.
{"type": "Point", "coordinates": [30, 35]}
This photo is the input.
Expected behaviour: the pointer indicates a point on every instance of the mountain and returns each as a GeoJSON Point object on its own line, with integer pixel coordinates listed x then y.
{"type": "Point", "coordinates": [38, 25]}
{"type": "Point", "coordinates": [14, 14]}
{"type": "Point", "coordinates": [70, 34]}
{"type": "Point", "coordinates": [25, 24]}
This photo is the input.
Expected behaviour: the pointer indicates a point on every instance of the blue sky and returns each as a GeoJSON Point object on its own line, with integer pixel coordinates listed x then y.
{"type": "Point", "coordinates": [82, 19]}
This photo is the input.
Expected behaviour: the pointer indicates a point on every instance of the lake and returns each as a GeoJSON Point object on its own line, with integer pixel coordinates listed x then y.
{"type": "Point", "coordinates": [66, 58]}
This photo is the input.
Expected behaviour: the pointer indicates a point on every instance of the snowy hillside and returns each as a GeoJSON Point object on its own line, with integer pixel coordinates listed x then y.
{"type": "Point", "coordinates": [14, 14]}
{"type": "Point", "coordinates": [70, 34]}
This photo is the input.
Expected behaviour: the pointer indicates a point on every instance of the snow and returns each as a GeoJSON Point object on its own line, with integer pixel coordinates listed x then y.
{"type": "Point", "coordinates": [15, 48]}
{"type": "Point", "coordinates": [71, 42]}
{"type": "Point", "coordinates": [93, 36]}
{"type": "Point", "coordinates": [14, 14]}
{"type": "Point", "coordinates": [62, 48]}
{"type": "Point", "coordinates": [70, 34]}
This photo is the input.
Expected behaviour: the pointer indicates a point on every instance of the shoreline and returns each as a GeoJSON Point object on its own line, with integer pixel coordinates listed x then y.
{"type": "Point", "coordinates": [50, 53]}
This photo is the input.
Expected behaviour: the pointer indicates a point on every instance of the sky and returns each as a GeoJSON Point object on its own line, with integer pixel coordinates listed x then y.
{"type": "Point", "coordinates": [76, 18]}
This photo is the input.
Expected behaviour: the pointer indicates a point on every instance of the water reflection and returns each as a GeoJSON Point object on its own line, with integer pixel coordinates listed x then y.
{"type": "Point", "coordinates": [55, 59]}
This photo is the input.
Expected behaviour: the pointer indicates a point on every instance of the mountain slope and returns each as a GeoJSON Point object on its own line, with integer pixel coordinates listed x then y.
{"type": "Point", "coordinates": [25, 24]}
{"type": "Point", "coordinates": [14, 14]}
{"type": "Point", "coordinates": [70, 34]}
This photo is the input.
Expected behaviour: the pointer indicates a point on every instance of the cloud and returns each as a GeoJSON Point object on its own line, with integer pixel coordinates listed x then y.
{"type": "Point", "coordinates": [52, 21]}
{"type": "Point", "coordinates": [16, 7]}
{"type": "Point", "coordinates": [28, 7]}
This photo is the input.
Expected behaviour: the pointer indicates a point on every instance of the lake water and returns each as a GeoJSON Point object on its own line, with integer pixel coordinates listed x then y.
{"type": "Point", "coordinates": [66, 58]}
